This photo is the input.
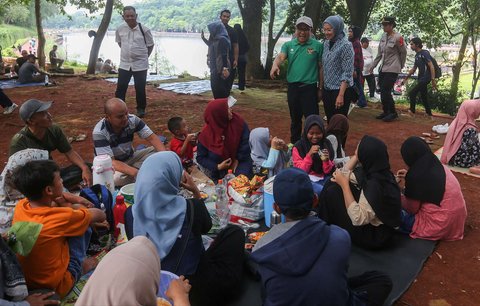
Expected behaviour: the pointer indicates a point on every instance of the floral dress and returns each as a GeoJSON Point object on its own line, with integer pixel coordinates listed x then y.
{"type": "Point", "coordinates": [468, 155]}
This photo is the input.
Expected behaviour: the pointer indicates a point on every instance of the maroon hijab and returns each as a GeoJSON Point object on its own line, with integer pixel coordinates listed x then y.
{"type": "Point", "coordinates": [221, 135]}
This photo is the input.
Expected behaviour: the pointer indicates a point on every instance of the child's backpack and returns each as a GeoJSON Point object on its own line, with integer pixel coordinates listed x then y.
{"type": "Point", "coordinates": [102, 199]}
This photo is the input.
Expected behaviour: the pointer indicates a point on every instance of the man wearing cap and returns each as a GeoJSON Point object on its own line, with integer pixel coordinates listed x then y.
{"type": "Point", "coordinates": [304, 56]}
{"type": "Point", "coordinates": [21, 60]}
{"type": "Point", "coordinates": [113, 136]}
{"type": "Point", "coordinates": [304, 261]}
{"type": "Point", "coordinates": [136, 45]}
{"type": "Point", "coordinates": [41, 133]}
{"type": "Point", "coordinates": [29, 72]}
{"type": "Point", "coordinates": [367, 65]}
{"type": "Point", "coordinates": [393, 54]}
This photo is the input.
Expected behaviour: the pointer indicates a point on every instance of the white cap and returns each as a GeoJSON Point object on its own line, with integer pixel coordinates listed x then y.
{"type": "Point", "coordinates": [306, 20]}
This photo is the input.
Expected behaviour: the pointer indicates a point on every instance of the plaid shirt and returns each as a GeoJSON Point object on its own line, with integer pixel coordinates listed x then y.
{"type": "Point", "coordinates": [358, 58]}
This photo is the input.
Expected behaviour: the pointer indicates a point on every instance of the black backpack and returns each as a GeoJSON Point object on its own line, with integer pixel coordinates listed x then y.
{"type": "Point", "coordinates": [438, 70]}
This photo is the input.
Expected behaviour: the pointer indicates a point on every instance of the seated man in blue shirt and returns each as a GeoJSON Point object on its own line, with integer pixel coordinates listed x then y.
{"type": "Point", "coordinates": [113, 136]}
{"type": "Point", "coordinates": [304, 261]}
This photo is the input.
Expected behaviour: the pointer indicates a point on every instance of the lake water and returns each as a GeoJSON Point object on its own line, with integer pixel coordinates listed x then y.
{"type": "Point", "coordinates": [176, 53]}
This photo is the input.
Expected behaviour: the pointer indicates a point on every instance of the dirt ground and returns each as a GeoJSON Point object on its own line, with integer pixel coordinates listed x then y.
{"type": "Point", "coordinates": [449, 277]}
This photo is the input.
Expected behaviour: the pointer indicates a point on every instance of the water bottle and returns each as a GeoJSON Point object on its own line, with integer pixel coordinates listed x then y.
{"type": "Point", "coordinates": [228, 177]}
{"type": "Point", "coordinates": [221, 204]}
{"type": "Point", "coordinates": [46, 80]}
{"type": "Point", "coordinates": [119, 213]}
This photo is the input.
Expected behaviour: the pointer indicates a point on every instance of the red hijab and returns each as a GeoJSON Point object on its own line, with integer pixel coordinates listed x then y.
{"type": "Point", "coordinates": [221, 135]}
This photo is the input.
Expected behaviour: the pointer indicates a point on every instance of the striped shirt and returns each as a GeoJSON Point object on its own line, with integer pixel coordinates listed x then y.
{"type": "Point", "coordinates": [337, 64]}
{"type": "Point", "coordinates": [118, 146]}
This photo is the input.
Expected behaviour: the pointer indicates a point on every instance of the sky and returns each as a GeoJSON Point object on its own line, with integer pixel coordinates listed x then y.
{"type": "Point", "coordinates": [72, 9]}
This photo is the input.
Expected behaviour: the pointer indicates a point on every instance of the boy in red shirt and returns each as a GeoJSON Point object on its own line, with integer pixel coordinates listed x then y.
{"type": "Point", "coordinates": [57, 259]}
{"type": "Point", "coordinates": [182, 143]}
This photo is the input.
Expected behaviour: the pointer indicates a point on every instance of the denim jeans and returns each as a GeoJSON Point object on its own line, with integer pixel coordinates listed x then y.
{"type": "Point", "coordinates": [78, 251]}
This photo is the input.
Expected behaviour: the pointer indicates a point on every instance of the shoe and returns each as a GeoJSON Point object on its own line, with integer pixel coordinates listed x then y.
{"type": "Point", "coordinates": [351, 107]}
{"type": "Point", "coordinates": [442, 129]}
{"type": "Point", "coordinates": [390, 117]}
{"type": "Point", "coordinates": [381, 116]}
{"type": "Point", "coordinates": [373, 99]}
{"type": "Point", "coordinates": [10, 109]}
{"type": "Point", "coordinates": [324, 118]}
{"type": "Point", "coordinates": [140, 113]}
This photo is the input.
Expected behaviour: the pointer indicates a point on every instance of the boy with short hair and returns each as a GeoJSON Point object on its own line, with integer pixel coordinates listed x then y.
{"type": "Point", "coordinates": [182, 143]}
{"type": "Point", "coordinates": [305, 261]}
{"type": "Point", "coordinates": [57, 259]}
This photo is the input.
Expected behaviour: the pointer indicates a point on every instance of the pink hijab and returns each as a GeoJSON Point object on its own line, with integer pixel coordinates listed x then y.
{"type": "Point", "coordinates": [467, 114]}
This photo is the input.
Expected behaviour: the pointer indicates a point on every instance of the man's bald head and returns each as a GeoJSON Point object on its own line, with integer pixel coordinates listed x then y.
{"type": "Point", "coordinates": [113, 104]}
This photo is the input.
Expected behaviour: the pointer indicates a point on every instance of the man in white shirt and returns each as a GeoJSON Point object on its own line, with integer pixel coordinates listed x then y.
{"type": "Point", "coordinates": [367, 65]}
{"type": "Point", "coordinates": [136, 44]}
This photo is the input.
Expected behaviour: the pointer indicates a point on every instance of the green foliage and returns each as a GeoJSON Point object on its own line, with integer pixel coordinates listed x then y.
{"type": "Point", "coordinates": [10, 36]}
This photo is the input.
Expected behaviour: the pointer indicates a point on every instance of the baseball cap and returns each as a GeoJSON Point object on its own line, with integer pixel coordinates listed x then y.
{"type": "Point", "coordinates": [33, 106]}
{"type": "Point", "coordinates": [306, 20]}
{"type": "Point", "coordinates": [388, 20]}
{"type": "Point", "coordinates": [292, 188]}
{"type": "Point", "coordinates": [231, 101]}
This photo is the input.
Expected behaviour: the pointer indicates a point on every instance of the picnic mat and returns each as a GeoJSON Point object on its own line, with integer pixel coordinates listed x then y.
{"type": "Point", "coordinates": [402, 262]}
{"type": "Point", "coordinates": [150, 77]}
{"type": "Point", "coordinates": [189, 88]}
{"type": "Point", "coordinates": [438, 153]}
{"type": "Point", "coordinates": [12, 83]}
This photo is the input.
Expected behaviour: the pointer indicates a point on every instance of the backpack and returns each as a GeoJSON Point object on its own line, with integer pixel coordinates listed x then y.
{"type": "Point", "coordinates": [98, 195]}
{"type": "Point", "coordinates": [438, 70]}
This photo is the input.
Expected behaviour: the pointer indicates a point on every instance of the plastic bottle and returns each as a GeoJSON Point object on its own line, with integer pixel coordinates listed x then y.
{"type": "Point", "coordinates": [221, 204]}
{"type": "Point", "coordinates": [119, 213]}
{"type": "Point", "coordinates": [46, 80]}
{"type": "Point", "coordinates": [228, 177]}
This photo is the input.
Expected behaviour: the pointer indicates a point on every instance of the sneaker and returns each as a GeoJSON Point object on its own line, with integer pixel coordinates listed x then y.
{"type": "Point", "coordinates": [324, 118]}
{"type": "Point", "coordinates": [10, 109]}
{"type": "Point", "coordinates": [390, 117]}
{"type": "Point", "coordinates": [381, 116]}
{"type": "Point", "coordinates": [140, 113]}
{"type": "Point", "coordinates": [373, 99]}
{"type": "Point", "coordinates": [351, 107]}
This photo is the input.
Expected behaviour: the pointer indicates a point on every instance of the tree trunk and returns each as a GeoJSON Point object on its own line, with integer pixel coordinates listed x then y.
{"type": "Point", "coordinates": [97, 40]}
{"type": "Point", "coordinates": [313, 10]}
{"type": "Point", "coordinates": [458, 67]}
{"type": "Point", "coordinates": [360, 12]}
{"type": "Point", "coordinates": [251, 11]}
{"type": "Point", "coordinates": [41, 35]}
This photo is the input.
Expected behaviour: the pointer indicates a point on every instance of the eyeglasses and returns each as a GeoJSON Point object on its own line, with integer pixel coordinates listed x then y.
{"type": "Point", "coordinates": [303, 29]}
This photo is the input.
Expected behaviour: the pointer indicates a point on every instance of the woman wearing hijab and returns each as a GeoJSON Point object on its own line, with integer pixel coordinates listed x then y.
{"type": "Point", "coordinates": [218, 61]}
{"type": "Point", "coordinates": [354, 35]}
{"type": "Point", "coordinates": [337, 67]}
{"type": "Point", "coordinates": [267, 152]}
{"type": "Point", "coordinates": [434, 207]}
{"type": "Point", "coordinates": [223, 142]}
{"type": "Point", "coordinates": [337, 131]}
{"type": "Point", "coordinates": [130, 275]}
{"type": "Point", "coordinates": [175, 226]}
{"type": "Point", "coordinates": [366, 201]}
{"type": "Point", "coordinates": [243, 47]}
{"type": "Point", "coordinates": [462, 143]}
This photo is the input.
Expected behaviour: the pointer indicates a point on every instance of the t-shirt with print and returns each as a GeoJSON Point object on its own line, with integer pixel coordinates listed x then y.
{"type": "Point", "coordinates": [303, 60]}
{"type": "Point", "coordinates": [118, 146]}
{"type": "Point", "coordinates": [54, 139]}
{"type": "Point", "coordinates": [422, 58]}
{"type": "Point", "coordinates": [46, 265]}
{"type": "Point", "coordinates": [176, 146]}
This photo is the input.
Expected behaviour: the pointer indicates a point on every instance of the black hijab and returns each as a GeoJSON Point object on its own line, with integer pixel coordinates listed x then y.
{"type": "Point", "coordinates": [425, 179]}
{"type": "Point", "coordinates": [379, 186]}
{"type": "Point", "coordinates": [303, 145]}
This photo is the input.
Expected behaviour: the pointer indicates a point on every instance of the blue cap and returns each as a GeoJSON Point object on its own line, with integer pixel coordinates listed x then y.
{"type": "Point", "coordinates": [292, 188]}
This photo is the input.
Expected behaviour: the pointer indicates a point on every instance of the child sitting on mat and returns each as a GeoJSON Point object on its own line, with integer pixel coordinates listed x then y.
{"type": "Point", "coordinates": [313, 153]}
{"type": "Point", "coordinates": [183, 142]}
{"type": "Point", "coordinates": [308, 257]}
{"type": "Point", "coordinates": [57, 258]}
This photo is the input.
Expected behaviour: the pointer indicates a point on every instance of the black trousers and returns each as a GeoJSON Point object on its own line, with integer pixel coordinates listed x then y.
{"type": "Point", "coordinates": [220, 271]}
{"type": "Point", "coordinates": [242, 68]}
{"type": "Point", "coordinates": [231, 78]}
{"type": "Point", "coordinates": [371, 84]}
{"type": "Point", "coordinates": [302, 102]}
{"type": "Point", "coordinates": [220, 87]}
{"type": "Point", "coordinates": [140, 78]}
{"type": "Point", "coordinates": [329, 98]}
{"type": "Point", "coordinates": [333, 211]}
{"type": "Point", "coordinates": [420, 87]}
{"type": "Point", "coordinates": [386, 81]}
{"type": "Point", "coordinates": [373, 286]}
{"type": "Point", "coordinates": [4, 99]}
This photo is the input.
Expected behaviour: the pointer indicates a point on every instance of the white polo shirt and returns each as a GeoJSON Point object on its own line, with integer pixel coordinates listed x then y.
{"type": "Point", "coordinates": [134, 52]}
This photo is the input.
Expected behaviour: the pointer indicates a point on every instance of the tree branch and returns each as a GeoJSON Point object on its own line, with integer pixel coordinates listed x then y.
{"type": "Point", "coordinates": [446, 25]}
{"type": "Point", "coordinates": [241, 7]}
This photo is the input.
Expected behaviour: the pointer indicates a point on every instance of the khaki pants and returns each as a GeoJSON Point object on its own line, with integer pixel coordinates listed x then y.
{"type": "Point", "coordinates": [121, 179]}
